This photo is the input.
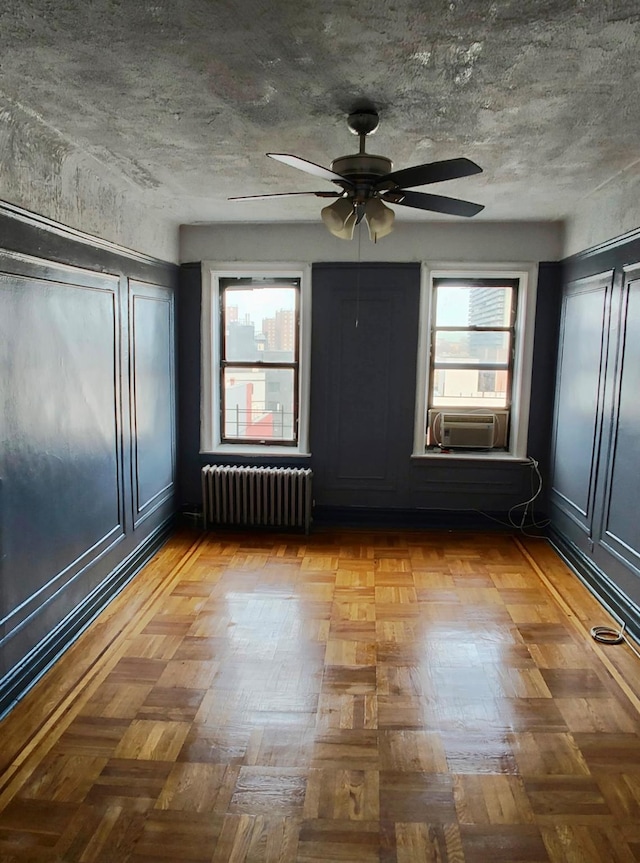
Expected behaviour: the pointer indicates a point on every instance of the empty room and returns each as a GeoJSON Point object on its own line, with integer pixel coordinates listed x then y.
{"type": "Point", "coordinates": [320, 437]}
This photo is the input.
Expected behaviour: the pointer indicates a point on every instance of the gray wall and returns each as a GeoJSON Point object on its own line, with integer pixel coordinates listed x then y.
{"type": "Point", "coordinates": [361, 425]}
{"type": "Point", "coordinates": [596, 437]}
{"type": "Point", "coordinates": [88, 450]}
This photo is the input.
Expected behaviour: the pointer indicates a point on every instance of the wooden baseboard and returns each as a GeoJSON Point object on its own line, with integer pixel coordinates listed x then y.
{"type": "Point", "coordinates": [447, 519]}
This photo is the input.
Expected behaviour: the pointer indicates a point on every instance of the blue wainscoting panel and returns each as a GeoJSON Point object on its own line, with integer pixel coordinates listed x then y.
{"type": "Point", "coordinates": [579, 395]}
{"type": "Point", "coordinates": [152, 396]}
{"type": "Point", "coordinates": [61, 466]}
{"type": "Point", "coordinates": [68, 542]}
{"type": "Point", "coordinates": [622, 525]}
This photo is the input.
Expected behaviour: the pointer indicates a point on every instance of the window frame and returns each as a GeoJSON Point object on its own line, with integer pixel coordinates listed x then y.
{"type": "Point", "coordinates": [526, 274]}
{"type": "Point", "coordinates": [434, 365]}
{"type": "Point", "coordinates": [211, 436]}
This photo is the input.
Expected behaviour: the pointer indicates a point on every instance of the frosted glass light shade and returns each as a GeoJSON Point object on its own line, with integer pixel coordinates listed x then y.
{"type": "Point", "coordinates": [379, 219]}
{"type": "Point", "coordinates": [339, 218]}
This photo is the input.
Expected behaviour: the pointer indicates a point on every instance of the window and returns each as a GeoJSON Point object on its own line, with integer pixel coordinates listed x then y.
{"type": "Point", "coordinates": [255, 361]}
{"type": "Point", "coordinates": [472, 343]}
{"type": "Point", "coordinates": [475, 357]}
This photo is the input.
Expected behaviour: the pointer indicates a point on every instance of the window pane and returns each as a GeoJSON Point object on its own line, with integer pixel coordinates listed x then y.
{"type": "Point", "coordinates": [258, 404]}
{"type": "Point", "coordinates": [472, 305]}
{"type": "Point", "coordinates": [260, 322]}
{"type": "Point", "coordinates": [468, 387]}
{"type": "Point", "coordinates": [462, 346]}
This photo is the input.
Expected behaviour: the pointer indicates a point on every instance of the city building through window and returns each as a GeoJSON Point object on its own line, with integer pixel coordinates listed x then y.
{"type": "Point", "coordinates": [472, 343]}
{"type": "Point", "coordinates": [259, 360]}
{"type": "Point", "coordinates": [255, 360]}
{"type": "Point", "coordinates": [475, 367]}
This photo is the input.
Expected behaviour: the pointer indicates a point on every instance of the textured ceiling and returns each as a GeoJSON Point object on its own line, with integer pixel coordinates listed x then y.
{"type": "Point", "coordinates": [182, 100]}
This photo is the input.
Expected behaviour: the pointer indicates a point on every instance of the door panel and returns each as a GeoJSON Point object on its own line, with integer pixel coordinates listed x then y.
{"type": "Point", "coordinates": [364, 348]}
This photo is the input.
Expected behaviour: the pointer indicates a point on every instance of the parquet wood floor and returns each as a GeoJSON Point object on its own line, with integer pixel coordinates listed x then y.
{"type": "Point", "coordinates": [349, 696]}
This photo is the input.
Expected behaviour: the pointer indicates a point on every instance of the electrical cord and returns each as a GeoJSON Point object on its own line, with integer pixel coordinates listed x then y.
{"type": "Point", "coordinates": [527, 507]}
{"type": "Point", "coordinates": [610, 635]}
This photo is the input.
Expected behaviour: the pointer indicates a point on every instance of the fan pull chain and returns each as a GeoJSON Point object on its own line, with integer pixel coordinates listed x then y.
{"type": "Point", "coordinates": [358, 275]}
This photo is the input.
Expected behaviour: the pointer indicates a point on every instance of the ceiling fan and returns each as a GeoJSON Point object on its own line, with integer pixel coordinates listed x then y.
{"type": "Point", "coordinates": [366, 182]}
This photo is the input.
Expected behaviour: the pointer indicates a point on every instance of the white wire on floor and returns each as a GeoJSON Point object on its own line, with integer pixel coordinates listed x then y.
{"type": "Point", "coordinates": [521, 523]}
{"type": "Point", "coordinates": [610, 635]}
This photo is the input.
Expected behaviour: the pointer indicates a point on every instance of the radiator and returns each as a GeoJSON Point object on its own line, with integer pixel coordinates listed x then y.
{"type": "Point", "coordinates": [272, 496]}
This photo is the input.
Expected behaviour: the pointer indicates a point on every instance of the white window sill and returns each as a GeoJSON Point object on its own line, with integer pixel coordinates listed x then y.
{"type": "Point", "coordinates": [484, 455]}
{"type": "Point", "coordinates": [259, 451]}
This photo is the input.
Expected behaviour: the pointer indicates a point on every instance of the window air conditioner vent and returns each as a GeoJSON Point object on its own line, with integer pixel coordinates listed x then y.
{"type": "Point", "coordinates": [473, 430]}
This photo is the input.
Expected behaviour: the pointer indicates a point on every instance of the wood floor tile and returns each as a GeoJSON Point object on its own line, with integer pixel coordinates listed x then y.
{"type": "Point", "coordinates": [197, 788]}
{"type": "Point", "coordinates": [148, 740]}
{"type": "Point", "coordinates": [610, 753]}
{"type": "Point", "coordinates": [503, 844]}
{"type": "Point", "coordinates": [573, 798]}
{"type": "Point", "coordinates": [574, 683]}
{"type": "Point", "coordinates": [416, 797]}
{"type": "Point", "coordinates": [492, 799]}
{"type": "Point", "coordinates": [424, 841]}
{"type": "Point", "coordinates": [604, 715]}
{"type": "Point", "coordinates": [63, 778]}
{"type": "Point", "coordinates": [216, 744]}
{"type": "Point", "coordinates": [135, 669]}
{"type": "Point", "coordinates": [481, 752]}
{"type": "Point", "coordinates": [353, 748]}
{"type": "Point", "coordinates": [544, 753]}
{"type": "Point", "coordinates": [257, 839]}
{"type": "Point", "coordinates": [269, 790]}
{"type": "Point", "coordinates": [406, 711]}
{"type": "Point", "coordinates": [169, 835]}
{"type": "Point", "coordinates": [171, 703]}
{"type": "Point", "coordinates": [329, 840]}
{"type": "Point", "coordinates": [412, 750]}
{"type": "Point", "coordinates": [131, 779]}
{"type": "Point", "coordinates": [93, 735]}
{"type": "Point", "coordinates": [342, 794]}
{"type": "Point", "coordinates": [356, 696]}
{"type": "Point", "coordinates": [622, 794]}
{"type": "Point", "coordinates": [572, 843]}
{"type": "Point", "coordinates": [95, 836]}
{"type": "Point", "coordinates": [46, 820]}
{"type": "Point", "coordinates": [347, 711]}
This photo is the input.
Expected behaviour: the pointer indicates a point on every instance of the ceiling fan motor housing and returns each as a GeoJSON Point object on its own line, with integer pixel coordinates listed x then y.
{"type": "Point", "coordinates": [362, 167]}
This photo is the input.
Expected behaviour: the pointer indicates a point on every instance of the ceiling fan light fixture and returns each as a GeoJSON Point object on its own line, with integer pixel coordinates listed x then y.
{"type": "Point", "coordinates": [340, 218]}
{"type": "Point", "coordinates": [366, 180]}
{"type": "Point", "coordinates": [379, 219]}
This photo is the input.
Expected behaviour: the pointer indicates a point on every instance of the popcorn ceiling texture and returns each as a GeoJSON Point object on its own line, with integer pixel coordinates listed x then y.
{"type": "Point", "coordinates": [128, 118]}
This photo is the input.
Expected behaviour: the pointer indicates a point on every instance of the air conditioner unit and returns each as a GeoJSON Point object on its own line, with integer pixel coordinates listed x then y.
{"type": "Point", "coordinates": [471, 431]}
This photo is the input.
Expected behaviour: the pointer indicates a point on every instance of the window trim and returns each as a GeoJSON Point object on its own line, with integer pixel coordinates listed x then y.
{"type": "Point", "coordinates": [527, 275]}
{"type": "Point", "coordinates": [511, 329]}
{"type": "Point", "coordinates": [210, 430]}
{"type": "Point", "coordinates": [293, 366]}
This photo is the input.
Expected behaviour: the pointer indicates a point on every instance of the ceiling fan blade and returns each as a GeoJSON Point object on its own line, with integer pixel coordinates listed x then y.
{"type": "Point", "coordinates": [284, 195]}
{"type": "Point", "coordinates": [432, 172]}
{"type": "Point", "coordinates": [436, 203]}
{"type": "Point", "coordinates": [310, 168]}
